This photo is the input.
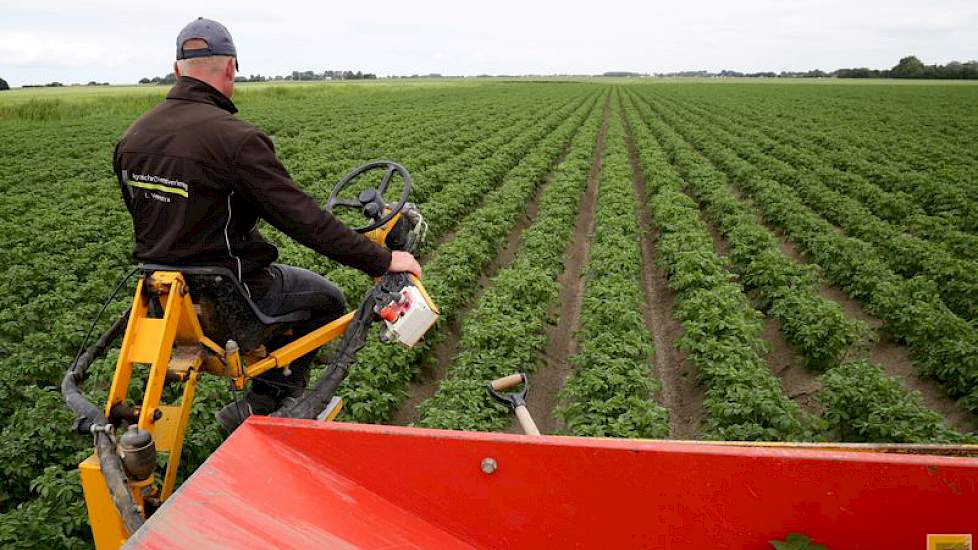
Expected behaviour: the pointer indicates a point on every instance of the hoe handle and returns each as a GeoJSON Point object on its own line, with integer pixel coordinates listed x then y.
{"type": "Point", "coordinates": [526, 421]}
{"type": "Point", "coordinates": [507, 382]}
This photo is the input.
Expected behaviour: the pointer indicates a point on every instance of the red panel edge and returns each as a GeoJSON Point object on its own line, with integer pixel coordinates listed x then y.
{"type": "Point", "coordinates": [270, 424]}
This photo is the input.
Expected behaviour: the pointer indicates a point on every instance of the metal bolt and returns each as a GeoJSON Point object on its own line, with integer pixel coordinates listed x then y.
{"type": "Point", "coordinates": [489, 465]}
{"type": "Point", "coordinates": [104, 428]}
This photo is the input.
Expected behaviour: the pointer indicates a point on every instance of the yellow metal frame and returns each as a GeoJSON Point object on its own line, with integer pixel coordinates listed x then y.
{"type": "Point", "coordinates": [175, 348]}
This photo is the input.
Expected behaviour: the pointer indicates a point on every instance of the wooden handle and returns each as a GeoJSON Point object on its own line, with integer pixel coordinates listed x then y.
{"type": "Point", "coordinates": [507, 382]}
{"type": "Point", "coordinates": [526, 421]}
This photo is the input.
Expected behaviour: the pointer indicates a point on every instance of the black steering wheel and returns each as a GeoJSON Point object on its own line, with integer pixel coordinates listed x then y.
{"type": "Point", "coordinates": [371, 200]}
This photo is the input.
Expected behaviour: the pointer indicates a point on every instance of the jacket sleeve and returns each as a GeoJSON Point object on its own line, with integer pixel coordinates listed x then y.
{"type": "Point", "coordinates": [262, 179]}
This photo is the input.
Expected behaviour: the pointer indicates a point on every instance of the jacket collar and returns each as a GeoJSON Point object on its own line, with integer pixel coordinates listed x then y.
{"type": "Point", "coordinates": [191, 89]}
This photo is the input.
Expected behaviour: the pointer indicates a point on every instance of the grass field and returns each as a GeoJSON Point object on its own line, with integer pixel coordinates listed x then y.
{"type": "Point", "coordinates": [680, 258]}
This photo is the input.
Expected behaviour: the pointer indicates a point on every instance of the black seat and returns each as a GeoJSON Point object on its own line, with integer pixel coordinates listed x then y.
{"type": "Point", "coordinates": [226, 310]}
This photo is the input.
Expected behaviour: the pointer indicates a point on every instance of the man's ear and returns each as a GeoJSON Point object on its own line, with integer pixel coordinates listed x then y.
{"type": "Point", "coordinates": [229, 69]}
{"type": "Point", "coordinates": [176, 68]}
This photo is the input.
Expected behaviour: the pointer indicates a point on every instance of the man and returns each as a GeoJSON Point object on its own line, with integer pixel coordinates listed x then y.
{"type": "Point", "coordinates": [196, 181]}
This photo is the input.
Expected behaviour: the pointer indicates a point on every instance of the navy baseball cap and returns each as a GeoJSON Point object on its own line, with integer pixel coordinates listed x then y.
{"type": "Point", "coordinates": [215, 34]}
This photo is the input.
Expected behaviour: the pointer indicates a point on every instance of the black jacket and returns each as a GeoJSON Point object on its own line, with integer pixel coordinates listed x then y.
{"type": "Point", "coordinates": [196, 180]}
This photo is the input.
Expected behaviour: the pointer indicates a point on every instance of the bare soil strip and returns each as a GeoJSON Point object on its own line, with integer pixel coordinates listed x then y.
{"type": "Point", "coordinates": [681, 393]}
{"type": "Point", "coordinates": [436, 364]}
{"type": "Point", "coordinates": [800, 384]}
{"type": "Point", "coordinates": [449, 235]}
{"type": "Point", "coordinates": [561, 343]}
{"type": "Point", "coordinates": [892, 356]}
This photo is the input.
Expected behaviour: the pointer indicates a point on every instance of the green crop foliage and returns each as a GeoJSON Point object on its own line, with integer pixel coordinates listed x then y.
{"type": "Point", "coordinates": [873, 186]}
{"type": "Point", "coordinates": [944, 344]}
{"type": "Point", "coordinates": [612, 391]}
{"type": "Point", "coordinates": [863, 404]}
{"type": "Point", "coordinates": [788, 291]}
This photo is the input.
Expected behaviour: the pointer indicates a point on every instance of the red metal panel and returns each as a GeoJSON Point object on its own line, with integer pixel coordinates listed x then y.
{"type": "Point", "coordinates": [306, 484]}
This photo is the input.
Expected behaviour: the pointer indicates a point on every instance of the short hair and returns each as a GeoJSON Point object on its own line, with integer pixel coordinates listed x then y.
{"type": "Point", "coordinates": [211, 63]}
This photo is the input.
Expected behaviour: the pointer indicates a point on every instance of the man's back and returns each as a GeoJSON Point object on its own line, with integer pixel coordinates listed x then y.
{"type": "Point", "coordinates": [196, 181]}
{"type": "Point", "coordinates": [176, 168]}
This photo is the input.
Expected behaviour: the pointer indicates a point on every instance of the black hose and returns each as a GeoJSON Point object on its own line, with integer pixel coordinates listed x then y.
{"type": "Point", "coordinates": [90, 415]}
{"type": "Point", "coordinates": [314, 401]}
{"type": "Point", "coordinates": [70, 389]}
{"type": "Point", "coordinates": [115, 479]}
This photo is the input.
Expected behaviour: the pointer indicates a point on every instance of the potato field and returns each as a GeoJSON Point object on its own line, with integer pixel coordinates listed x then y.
{"type": "Point", "coordinates": [665, 258]}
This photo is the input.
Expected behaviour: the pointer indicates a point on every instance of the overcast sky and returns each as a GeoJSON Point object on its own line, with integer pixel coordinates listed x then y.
{"type": "Point", "coordinates": [122, 41]}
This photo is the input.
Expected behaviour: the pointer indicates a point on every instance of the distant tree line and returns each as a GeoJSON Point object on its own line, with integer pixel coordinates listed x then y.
{"type": "Point", "coordinates": [170, 78]}
{"type": "Point", "coordinates": [59, 84]}
{"type": "Point", "coordinates": [726, 73]}
{"type": "Point", "coordinates": [4, 85]}
{"type": "Point", "coordinates": [296, 75]}
{"type": "Point", "coordinates": [331, 75]}
{"type": "Point", "coordinates": [911, 67]}
{"type": "Point", "coordinates": [908, 67]}
{"type": "Point", "coordinates": [432, 75]}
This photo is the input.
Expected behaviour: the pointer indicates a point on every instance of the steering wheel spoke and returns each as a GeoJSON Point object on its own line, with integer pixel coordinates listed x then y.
{"type": "Point", "coordinates": [392, 209]}
{"type": "Point", "coordinates": [349, 203]}
{"type": "Point", "coordinates": [386, 181]}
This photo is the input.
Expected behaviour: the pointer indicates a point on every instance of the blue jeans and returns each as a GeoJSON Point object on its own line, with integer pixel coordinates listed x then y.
{"type": "Point", "coordinates": [295, 289]}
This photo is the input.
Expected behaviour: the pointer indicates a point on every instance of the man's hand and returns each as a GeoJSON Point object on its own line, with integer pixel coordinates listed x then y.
{"type": "Point", "coordinates": [404, 262]}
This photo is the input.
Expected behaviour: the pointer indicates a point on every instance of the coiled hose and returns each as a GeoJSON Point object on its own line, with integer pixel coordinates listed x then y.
{"type": "Point", "coordinates": [92, 420]}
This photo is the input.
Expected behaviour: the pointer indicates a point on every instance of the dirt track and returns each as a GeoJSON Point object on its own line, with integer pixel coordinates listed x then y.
{"type": "Point", "coordinates": [562, 344]}
{"type": "Point", "coordinates": [681, 394]}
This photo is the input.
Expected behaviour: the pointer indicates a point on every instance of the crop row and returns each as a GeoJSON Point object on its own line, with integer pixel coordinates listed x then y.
{"type": "Point", "coordinates": [376, 385]}
{"type": "Point", "coordinates": [943, 345]}
{"type": "Point", "coordinates": [915, 160]}
{"type": "Point", "coordinates": [956, 280]}
{"type": "Point", "coordinates": [721, 330]}
{"type": "Point", "coordinates": [897, 208]}
{"type": "Point", "coordinates": [788, 291]}
{"type": "Point", "coordinates": [503, 333]}
{"type": "Point", "coordinates": [611, 391]}
{"type": "Point", "coordinates": [863, 404]}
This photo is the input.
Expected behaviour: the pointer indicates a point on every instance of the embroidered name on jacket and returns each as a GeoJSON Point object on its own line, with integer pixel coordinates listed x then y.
{"type": "Point", "coordinates": [157, 183]}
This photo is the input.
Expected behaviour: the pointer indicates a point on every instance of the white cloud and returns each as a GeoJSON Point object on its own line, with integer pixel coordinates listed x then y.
{"type": "Point", "coordinates": [26, 48]}
{"type": "Point", "coordinates": [122, 41]}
